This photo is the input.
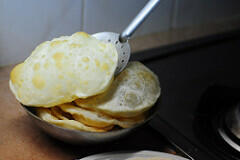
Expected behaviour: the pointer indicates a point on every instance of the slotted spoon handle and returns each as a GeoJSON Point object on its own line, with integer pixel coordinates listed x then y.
{"type": "Point", "coordinates": [138, 20]}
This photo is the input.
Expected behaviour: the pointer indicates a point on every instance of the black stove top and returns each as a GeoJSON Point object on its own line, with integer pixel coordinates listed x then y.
{"type": "Point", "coordinates": [211, 118]}
{"type": "Point", "coordinates": [197, 80]}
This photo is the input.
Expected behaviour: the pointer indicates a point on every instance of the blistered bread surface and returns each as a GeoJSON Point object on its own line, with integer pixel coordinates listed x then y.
{"type": "Point", "coordinates": [64, 69]}
{"type": "Point", "coordinates": [133, 92]}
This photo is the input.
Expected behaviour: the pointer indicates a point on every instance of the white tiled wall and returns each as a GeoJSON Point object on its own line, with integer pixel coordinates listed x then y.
{"type": "Point", "coordinates": [24, 24]}
{"type": "Point", "coordinates": [115, 15]}
{"type": "Point", "coordinates": [187, 13]}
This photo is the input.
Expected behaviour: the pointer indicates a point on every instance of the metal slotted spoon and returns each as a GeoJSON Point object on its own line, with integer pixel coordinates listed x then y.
{"type": "Point", "coordinates": [121, 40]}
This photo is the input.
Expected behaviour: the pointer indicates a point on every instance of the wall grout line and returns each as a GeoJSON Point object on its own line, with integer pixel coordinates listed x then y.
{"type": "Point", "coordinates": [82, 15]}
{"type": "Point", "coordinates": [173, 14]}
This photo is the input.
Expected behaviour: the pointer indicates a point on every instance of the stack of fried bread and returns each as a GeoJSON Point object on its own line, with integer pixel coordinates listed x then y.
{"type": "Point", "coordinates": [70, 80]}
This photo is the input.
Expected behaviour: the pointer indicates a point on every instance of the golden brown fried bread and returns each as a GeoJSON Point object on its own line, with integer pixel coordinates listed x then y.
{"type": "Point", "coordinates": [132, 92]}
{"type": "Point", "coordinates": [96, 119]}
{"type": "Point", "coordinates": [57, 112]}
{"type": "Point", "coordinates": [46, 115]}
{"type": "Point", "coordinates": [63, 70]}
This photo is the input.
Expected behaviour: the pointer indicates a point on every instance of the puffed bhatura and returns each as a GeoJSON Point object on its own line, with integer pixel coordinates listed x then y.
{"type": "Point", "coordinates": [134, 90]}
{"type": "Point", "coordinates": [64, 69]}
{"type": "Point", "coordinates": [70, 81]}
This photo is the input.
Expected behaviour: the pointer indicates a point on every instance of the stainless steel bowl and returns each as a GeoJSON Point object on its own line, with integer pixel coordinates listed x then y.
{"type": "Point", "coordinates": [83, 137]}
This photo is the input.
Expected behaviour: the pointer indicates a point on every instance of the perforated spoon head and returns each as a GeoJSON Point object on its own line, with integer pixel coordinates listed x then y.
{"type": "Point", "coordinates": [123, 49]}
